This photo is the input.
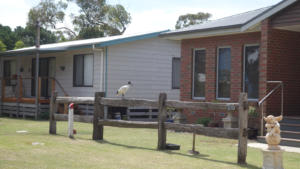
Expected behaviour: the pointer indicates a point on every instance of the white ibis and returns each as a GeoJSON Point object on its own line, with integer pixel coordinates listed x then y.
{"type": "Point", "coordinates": [123, 89]}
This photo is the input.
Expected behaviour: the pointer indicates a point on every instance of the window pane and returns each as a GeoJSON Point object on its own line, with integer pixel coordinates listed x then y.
{"type": "Point", "coordinates": [88, 70]}
{"type": "Point", "coordinates": [251, 79]}
{"type": "Point", "coordinates": [224, 67]}
{"type": "Point", "coordinates": [176, 73]}
{"type": "Point", "coordinates": [199, 73]}
{"type": "Point", "coordinates": [78, 70]}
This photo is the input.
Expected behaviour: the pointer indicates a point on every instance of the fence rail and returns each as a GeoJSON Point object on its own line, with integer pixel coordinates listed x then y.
{"type": "Point", "coordinates": [162, 104]}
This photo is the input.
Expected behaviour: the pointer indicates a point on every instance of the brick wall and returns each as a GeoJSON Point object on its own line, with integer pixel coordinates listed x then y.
{"type": "Point", "coordinates": [236, 42]}
{"type": "Point", "coordinates": [284, 65]}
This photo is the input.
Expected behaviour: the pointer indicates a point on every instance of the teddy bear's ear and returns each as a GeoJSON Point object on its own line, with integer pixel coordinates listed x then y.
{"type": "Point", "coordinates": [279, 118]}
{"type": "Point", "coordinates": [265, 118]}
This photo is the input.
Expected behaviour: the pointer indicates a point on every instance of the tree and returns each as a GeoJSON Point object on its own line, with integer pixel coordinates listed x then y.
{"type": "Point", "coordinates": [49, 14]}
{"type": "Point", "coordinates": [28, 35]}
{"type": "Point", "coordinates": [191, 19]}
{"type": "Point", "coordinates": [2, 46]}
{"type": "Point", "coordinates": [100, 17]}
{"type": "Point", "coordinates": [19, 44]}
{"type": "Point", "coordinates": [90, 32]}
{"type": "Point", "coordinates": [7, 37]}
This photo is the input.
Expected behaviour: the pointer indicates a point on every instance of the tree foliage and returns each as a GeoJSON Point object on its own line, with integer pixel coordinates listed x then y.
{"type": "Point", "coordinates": [19, 44]}
{"type": "Point", "coordinates": [96, 18]}
{"type": "Point", "coordinates": [28, 35]}
{"type": "Point", "coordinates": [191, 19]}
{"type": "Point", "coordinates": [7, 37]}
{"type": "Point", "coordinates": [49, 13]}
{"type": "Point", "coordinates": [100, 17]}
{"type": "Point", "coordinates": [2, 46]}
{"type": "Point", "coordinates": [90, 32]}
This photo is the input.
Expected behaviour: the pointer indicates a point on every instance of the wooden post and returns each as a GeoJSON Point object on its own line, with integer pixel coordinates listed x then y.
{"type": "Point", "coordinates": [71, 120]}
{"type": "Point", "coordinates": [52, 127]}
{"type": "Point", "coordinates": [52, 85]}
{"type": "Point", "coordinates": [162, 116]}
{"type": "Point", "coordinates": [98, 114]}
{"type": "Point", "coordinates": [194, 140]}
{"type": "Point", "coordinates": [243, 127]}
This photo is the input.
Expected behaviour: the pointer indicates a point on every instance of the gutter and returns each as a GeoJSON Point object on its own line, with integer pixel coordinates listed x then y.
{"type": "Point", "coordinates": [168, 34]}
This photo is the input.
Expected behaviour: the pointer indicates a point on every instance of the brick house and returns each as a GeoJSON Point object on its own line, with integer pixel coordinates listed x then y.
{"type": "Point", "coordinates": [242, 53]}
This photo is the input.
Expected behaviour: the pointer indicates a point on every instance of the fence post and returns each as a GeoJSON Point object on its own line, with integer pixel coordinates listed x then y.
{"type": "Point", "coordinates": [52, 127]}
{"type": "Point", "coordinates": [98, 114]}
{"type": "Point", "coordinates": [243, 127]}
{"type": "Point", "coordinates": [71, 120]}
{"type": "Point", "coordinates": [162, 116]}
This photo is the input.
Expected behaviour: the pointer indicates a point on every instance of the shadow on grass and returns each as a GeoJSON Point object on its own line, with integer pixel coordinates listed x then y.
{"type": "Point", "coordinates": [199, 156]}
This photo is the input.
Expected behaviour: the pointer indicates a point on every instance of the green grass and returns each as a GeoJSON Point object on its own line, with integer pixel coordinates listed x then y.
{"type": "Point", "coordinates": [121, 149]}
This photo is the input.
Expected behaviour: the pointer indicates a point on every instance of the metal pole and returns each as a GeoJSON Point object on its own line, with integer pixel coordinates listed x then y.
{"type": "Point", "coordinates": [262, 120]}
{"type": "Point", "coordinates": [282, 98]}
{"type": "Point", "coordinates": [18, 86]}
{"type": "Point", "coordinates": [37, 68]}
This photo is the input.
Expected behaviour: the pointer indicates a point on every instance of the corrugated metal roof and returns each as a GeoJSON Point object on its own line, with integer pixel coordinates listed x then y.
{"type": "Point", "coordinates": [227, 22]}
{"type": "Point", "coordinates": [87, 43]}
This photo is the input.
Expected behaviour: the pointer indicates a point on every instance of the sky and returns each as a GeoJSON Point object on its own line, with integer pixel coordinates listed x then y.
{"type": "Point", "coordinates": [147, 15]}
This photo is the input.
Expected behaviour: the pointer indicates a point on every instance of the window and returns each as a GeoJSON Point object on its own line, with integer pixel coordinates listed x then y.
{"type": "Point", "coordinates": [9, 71]}
{"type": "Point", "coordinates": [251, 72]}
{"type": "Point", "coordinates": [83, 70]}
{"type": "Point", "coordinates": [223, 73]}
{"type": "Point", "coordinates": [175, 73]}
{"type": "Point", "coordinates": [199, 76]}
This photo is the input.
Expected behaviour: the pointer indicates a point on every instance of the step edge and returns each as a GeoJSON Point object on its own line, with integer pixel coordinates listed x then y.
{"type": "Point", "coordinates": [282, 139]}
{"type": "Point", "coordinates": [290, 124]}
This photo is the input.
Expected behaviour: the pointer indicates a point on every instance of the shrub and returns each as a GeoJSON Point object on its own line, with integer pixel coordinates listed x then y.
{"type": "Point", "coordinates": [204, 121]}
{"type": "Point", "coordinates": [252, 112]}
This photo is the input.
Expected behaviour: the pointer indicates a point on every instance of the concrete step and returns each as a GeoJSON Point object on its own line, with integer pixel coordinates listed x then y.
{"type": "Point", "coordinates": [290, 134]}
{"type": "Point", "coordinates": [290, 127]}
{"type": "Point", "coordinates": [284, 141]}
{"type": "Point", "coordinates": [291, 120]}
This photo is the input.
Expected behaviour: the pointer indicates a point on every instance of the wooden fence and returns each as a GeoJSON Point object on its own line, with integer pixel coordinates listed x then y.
{"type": "Point", "coordinates": [161, 104]}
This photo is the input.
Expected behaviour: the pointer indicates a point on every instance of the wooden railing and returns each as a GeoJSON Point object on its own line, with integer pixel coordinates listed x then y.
{"type": "Point", "coordinates": [162, 104]}
{"type": "Point", "coordinates": [265, 98]}
{"type": "Point", "coordinates": [19, 97]}
{"type": "Point", "coordinates": [20, 86]}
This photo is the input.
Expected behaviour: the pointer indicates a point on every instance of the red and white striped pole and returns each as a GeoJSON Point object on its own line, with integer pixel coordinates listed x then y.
{"type": "Point", "coordinates": [71, 120]}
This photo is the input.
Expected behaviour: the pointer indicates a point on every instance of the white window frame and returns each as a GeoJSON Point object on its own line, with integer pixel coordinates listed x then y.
{"type": "Point", "coordinates": [193, 87]}
{"type": "Point", "coordinates": [244, 67]}
{"type": "Point", "coordinates": [217, 73]}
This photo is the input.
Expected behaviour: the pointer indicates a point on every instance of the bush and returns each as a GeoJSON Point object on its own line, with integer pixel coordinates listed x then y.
{"type": "Point", "coordinates": [252, 112]}
{"type": "Point", "coordinates": [204, 121]}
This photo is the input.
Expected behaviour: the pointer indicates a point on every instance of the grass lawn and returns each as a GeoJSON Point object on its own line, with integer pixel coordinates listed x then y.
{"type": "Point", "coordinates": [121, 149]}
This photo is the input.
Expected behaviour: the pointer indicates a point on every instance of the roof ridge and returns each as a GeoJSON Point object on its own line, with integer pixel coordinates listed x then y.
{"type": "Point", "coordinates": [267, 7]}
{"type": "Point", "coordinates": [215, 20]}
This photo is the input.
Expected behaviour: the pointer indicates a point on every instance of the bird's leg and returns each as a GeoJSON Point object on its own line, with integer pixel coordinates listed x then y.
{"type": "Point", "coordinates": [122, 96]}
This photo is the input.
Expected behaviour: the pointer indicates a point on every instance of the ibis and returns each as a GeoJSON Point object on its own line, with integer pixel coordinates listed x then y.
{"type": "Point", "coordinates": [123, 89]}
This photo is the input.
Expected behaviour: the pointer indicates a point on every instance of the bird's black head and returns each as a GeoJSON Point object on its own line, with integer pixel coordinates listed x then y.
{"type": "Point", "coordinates": [129, 82]}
